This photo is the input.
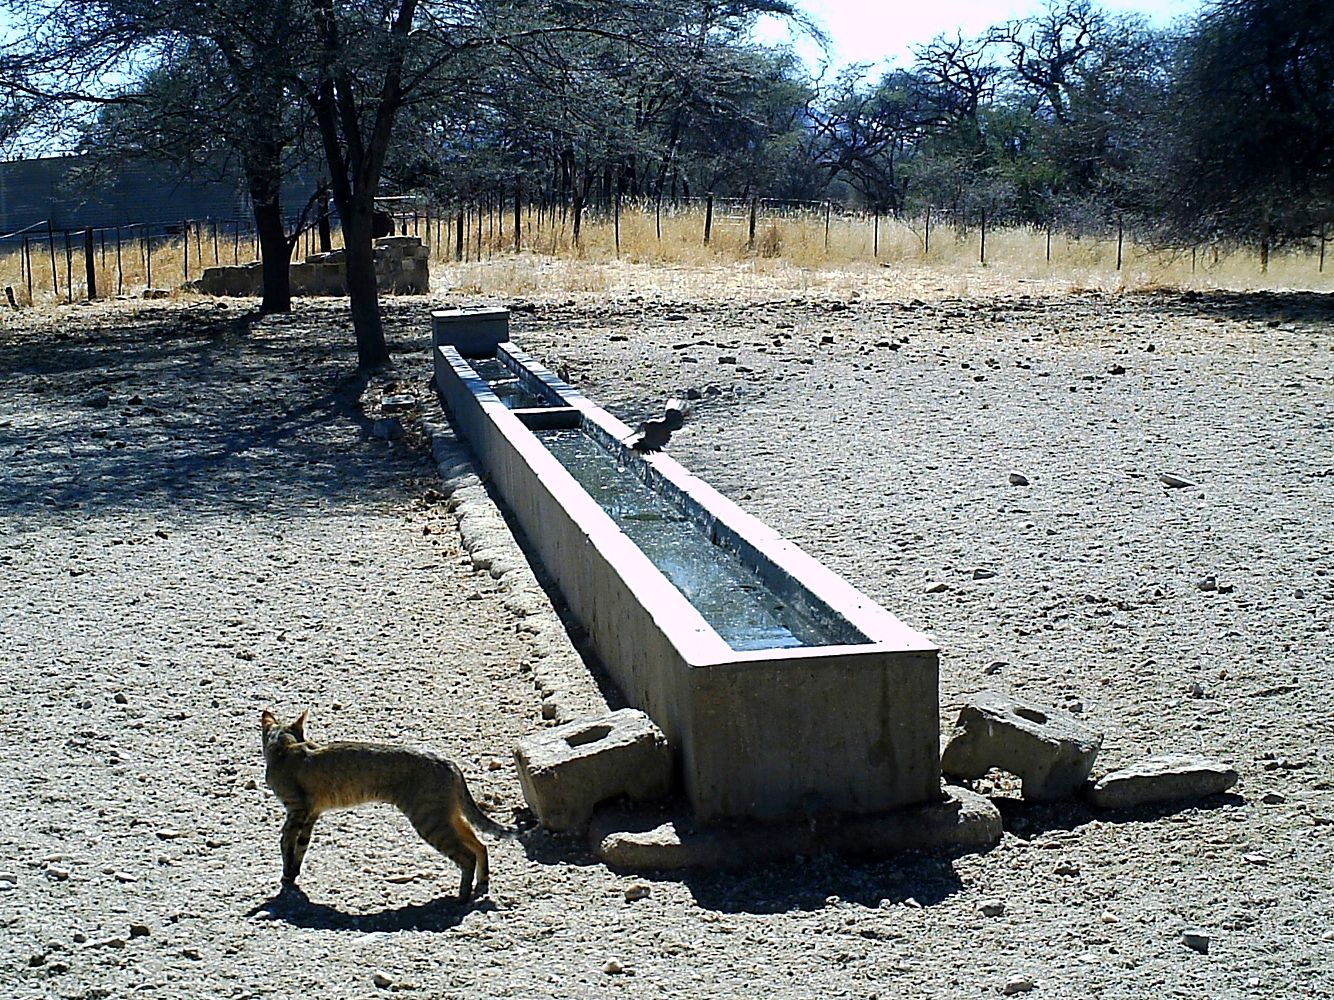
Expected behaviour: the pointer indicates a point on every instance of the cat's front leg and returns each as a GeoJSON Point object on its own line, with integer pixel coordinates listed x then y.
{"type": "Point", "coordinates": [295, 839]}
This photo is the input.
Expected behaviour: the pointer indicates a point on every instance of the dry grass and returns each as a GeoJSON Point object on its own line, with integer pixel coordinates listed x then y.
{"type": "Point", "coordinates": [667, 257]}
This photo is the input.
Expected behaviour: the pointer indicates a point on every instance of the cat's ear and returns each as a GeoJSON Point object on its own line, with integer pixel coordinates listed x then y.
{"type": "Point", "coordinates": [267, 720]}
{"type": "Point", "coordinates": [299, 727]}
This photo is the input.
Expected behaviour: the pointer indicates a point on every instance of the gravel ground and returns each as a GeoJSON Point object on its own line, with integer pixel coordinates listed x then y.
{"type": "Point", "coordinates": [201, 518]}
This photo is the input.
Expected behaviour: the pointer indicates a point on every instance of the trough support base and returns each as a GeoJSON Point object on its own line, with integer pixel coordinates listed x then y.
{"type": "Point", "coordinates": [646, 838]}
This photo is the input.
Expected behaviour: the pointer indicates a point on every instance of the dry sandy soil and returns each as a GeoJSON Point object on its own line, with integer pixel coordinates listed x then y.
{"type": "Point", "coordinates": [199, 520]}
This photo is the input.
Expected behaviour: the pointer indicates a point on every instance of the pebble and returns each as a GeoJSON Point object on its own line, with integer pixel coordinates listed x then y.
{"type": "Point", "coordinates": [396, 404]}
{"type": "Point", "coordinates": [612, 967]}
{"type": "Point", "coordinates": [983, 574]}
{"type": "Point", "coordinates": [1018, 480]}
{"type": "Point", "coordinates": [995, 666]}
{"type": "Point", "coordinates": [1268, 798]}
{"type": "Point", "coordinates": [992, 907]}
{"type": "Point", "coordinates": [1196, 940]}
{"type": "Point", "coordinates": [381, 980]}
{"type": "Point", "coordinates": [120, 699]}
{"type": "Point", "coordinates": [637, 892]}
{"type": "Point", "coordinates": [1018, 984]}
{"type": "Point", "coordinates": [1209, 584]}
{"type": "Point", "coordinates": [97, 400]}
{"type": "Point", "coordinates": [1173, 482]}
{"type": "Point", "coordinates": [937, 588]}
{"type": "Point", "coordinates": [59, 874]}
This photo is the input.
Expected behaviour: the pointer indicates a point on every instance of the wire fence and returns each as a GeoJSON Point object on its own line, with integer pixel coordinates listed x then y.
{"type": "Point", "coordinates": [91, 262]}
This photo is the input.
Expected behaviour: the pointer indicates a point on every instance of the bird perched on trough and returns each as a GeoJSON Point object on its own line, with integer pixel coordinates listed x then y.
{"type": "Point", "coordinates": [654, 433]}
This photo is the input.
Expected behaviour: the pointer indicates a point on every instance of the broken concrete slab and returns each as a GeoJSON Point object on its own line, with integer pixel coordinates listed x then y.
{"type": "Point", "coordinates": [1163, 778]}
{"type": "Point", "coordinates": [665, 838]}
{"type": "Point", "coordinates": [568, 770]}
{"type": "Point", "coordinates": [1051, 751]}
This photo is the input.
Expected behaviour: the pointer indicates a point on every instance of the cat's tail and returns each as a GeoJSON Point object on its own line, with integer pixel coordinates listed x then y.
{"type": "Point", "coordinates": [481, 820]}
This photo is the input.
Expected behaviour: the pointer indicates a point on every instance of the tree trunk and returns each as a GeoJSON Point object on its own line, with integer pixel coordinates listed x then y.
{"type": "Point", "coordinates": [362, 287]}
{"type": "Point", "coordinates": [276, 255]}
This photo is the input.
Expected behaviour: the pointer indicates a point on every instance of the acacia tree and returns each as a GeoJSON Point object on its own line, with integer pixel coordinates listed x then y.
{"type": "Point", "coordinates": [197, 84]}
{"type": "Point", "coordinates": [1249, 147]}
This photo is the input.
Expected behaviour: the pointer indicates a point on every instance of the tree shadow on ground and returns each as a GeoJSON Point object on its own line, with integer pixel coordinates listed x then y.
{"type": "Point", "coordinates": [1264, 306]}
{"type": "Point", "coordinates": [292, 906]}
{"type": "Point", "coordinates": [192, 408]}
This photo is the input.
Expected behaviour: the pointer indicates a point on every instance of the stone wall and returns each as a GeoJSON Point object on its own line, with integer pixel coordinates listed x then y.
{"type": "Point", "coordinates": [401, 267]}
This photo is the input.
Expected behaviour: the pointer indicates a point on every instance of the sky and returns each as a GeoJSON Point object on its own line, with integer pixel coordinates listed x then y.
{"type": "Point", "coordinates": [872, 31]}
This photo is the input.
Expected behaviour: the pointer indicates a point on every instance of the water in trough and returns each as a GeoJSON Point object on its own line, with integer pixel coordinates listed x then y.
{"type": "Point", "coordinates": [732, 599]}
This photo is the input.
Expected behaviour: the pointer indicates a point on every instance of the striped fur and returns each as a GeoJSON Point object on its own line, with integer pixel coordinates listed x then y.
{"type": "Point", "coordinates": [312, 778]}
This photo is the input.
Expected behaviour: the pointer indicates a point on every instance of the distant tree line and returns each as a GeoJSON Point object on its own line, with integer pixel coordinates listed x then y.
{"type": "Point", "coordinates": [1215, 129]}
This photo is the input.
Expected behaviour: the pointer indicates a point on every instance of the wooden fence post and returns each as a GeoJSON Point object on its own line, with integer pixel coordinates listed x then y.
{"type": "Point", "coordinates": [458, 240]}
{"type": "Point", "coordinates": [828, 207]}
{"type": "Point", "coordinates": [89, 263]}
{"type": "Point", "coordinates": [27, 253]}
{"type": "Point", "coordinates": [518, 215]}
{"type": "Point", "coordinates": [982, 254]}
{"type": "Point", "coordinates": [754, 210]}
{"type": "Point", "coordinates": [185, 247]}
{"type": "Point", "coordinates": [120, 269]}
{"type": "Point", "coordinates": [148, 254]}
{"type": "Point", "coordinates": [926, 245]}
{"type": "Point", "coordinates": [51, 245]}
{"type": "Point", "coordinates": [875, 233]}
{"type": "Point", "coordinates": [616, 221]}
{"type": "Point", "coordinates": [708, 218]}
{"type": "Point", "coordinates": [69, 270]}
{"type": "Point", "coordinates": [1120, 239]}
{"type": "Point", "coordinates": [213, 223]}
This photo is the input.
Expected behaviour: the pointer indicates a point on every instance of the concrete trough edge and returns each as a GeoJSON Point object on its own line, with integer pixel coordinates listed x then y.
{"type": "Point", "coordinates": [764, 734]}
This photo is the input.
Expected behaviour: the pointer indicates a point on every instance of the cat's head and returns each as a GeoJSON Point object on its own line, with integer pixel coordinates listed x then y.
{"type": "Point", "coordinates": [277, 736]}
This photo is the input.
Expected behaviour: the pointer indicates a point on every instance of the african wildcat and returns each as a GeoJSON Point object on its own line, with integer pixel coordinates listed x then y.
{"type": "Point", "coordinates": [311, 778]}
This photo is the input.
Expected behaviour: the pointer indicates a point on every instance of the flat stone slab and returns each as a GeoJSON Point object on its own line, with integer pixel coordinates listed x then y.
{"type": "Point", "coordinates": [656, 839]}
{"type": "Point", "coordinates": [1051, 751]}
{"type": "Point", "coordinates": [1164, 778]}
{"type": "Point", "coordinates": [568, 770]}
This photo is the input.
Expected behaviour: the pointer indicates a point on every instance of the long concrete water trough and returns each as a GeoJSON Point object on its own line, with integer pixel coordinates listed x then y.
{"type": "Point", "coordinates": [784, 692]}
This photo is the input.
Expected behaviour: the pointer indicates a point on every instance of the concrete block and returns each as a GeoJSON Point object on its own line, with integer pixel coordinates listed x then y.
{"type": "Point", "coordinates": [630, 838]}
{"type": "Point", "coordinates": [1164, 778]}
{"type": "Point", "coordinates": [1051, 751]}
{"type": "Point", "coordinates": [567, 771]}
{"type": "Point", "coordinates": [472, 332]}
